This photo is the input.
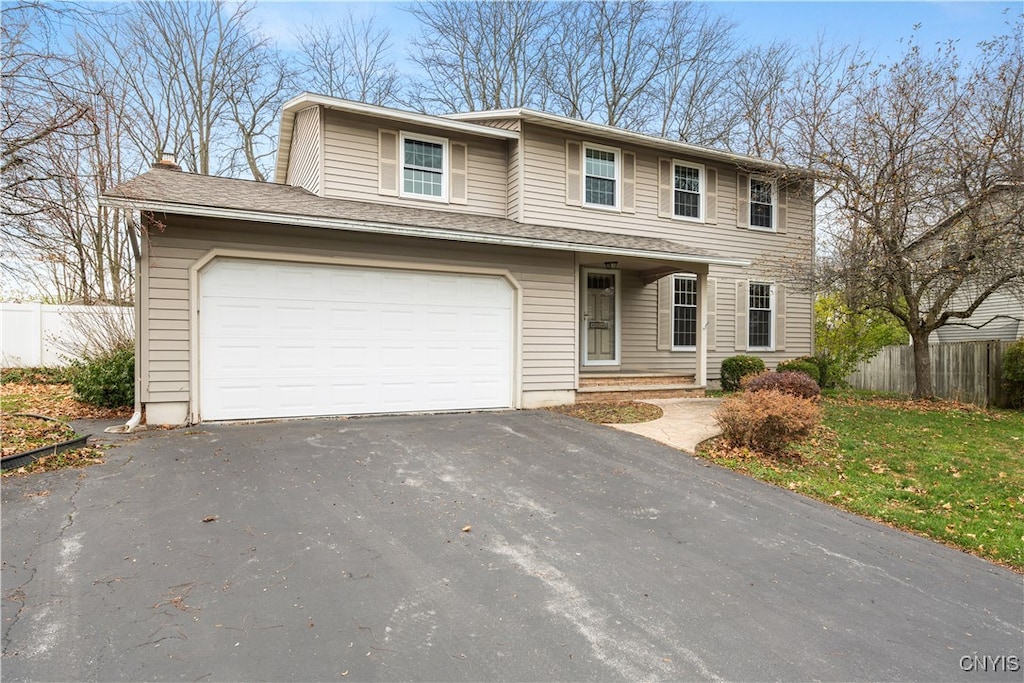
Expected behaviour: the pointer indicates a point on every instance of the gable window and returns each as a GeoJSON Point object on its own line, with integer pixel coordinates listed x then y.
{"type": "Point", "coordinates": [601, 177]}
{"type": "Point", "coordinates": [684, 312]}
{"type": "Point", "coordinates": [424, 167]}
{"type": "Point", "coordinates": [762, 206]}
{"type": "Point", "coordinates": [688, 191]}
{"type": "Point", "coordinates": [760, 314]}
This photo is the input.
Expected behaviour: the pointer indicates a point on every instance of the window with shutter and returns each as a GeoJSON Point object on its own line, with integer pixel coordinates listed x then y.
{"type": "Point", "coordinates": [688, 191]}
{"type": "Point", "coordinates": [760, 316]}
{"type": "Point", "coordinates": [762, 203]}
{"type": "Point", "coordinates": [601, 177]}
{"type": "Point", "coordinates": [684, 312]}
{"type": "Point", "coordinates": [424, 167]}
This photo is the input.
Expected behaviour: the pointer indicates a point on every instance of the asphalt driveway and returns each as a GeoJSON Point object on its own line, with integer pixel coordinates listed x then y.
{"type": "Point", "coordinates": [492, 546]}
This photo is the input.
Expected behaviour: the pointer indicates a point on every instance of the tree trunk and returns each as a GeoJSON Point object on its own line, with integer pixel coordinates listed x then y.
{"type": "Point", "coordinates": [922, 365]}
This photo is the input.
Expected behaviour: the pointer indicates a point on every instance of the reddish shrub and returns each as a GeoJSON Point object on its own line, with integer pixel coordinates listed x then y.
{"type": "Point", "coordinates": [767, 421]}
{"type": "Point", "coordinates": [792, 383]}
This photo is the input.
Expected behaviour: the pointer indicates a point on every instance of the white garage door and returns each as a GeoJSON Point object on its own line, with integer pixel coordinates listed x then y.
{"type": "Point", "coordinates": [294, 340]}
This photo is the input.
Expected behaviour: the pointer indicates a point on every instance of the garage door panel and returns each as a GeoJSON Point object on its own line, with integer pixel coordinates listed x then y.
{"type": "Point", "coordinates": [291, 340]}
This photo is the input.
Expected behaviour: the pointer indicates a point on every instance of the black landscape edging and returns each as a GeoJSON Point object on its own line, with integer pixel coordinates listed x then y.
{"type": "Point", "coordinates": [10, 462]}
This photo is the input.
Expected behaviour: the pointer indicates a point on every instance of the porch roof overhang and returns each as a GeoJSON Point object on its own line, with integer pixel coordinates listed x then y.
{"type": "Point", "coordinates": [174, 192]}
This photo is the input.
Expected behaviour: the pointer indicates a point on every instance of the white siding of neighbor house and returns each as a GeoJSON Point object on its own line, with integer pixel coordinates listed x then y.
{"type": "Point", "coordinates": [306, 159]}
{"type": "Point", "coordinates": [548, 316]}
{"type": "Point", "coordinates": [351, 166]}
{"type": "Point", "coordinates": [1001, 316]}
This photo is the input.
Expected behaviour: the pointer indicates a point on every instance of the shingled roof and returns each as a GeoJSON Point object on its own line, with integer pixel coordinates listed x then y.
{"type": "Point", "coordinates": [174, 192]}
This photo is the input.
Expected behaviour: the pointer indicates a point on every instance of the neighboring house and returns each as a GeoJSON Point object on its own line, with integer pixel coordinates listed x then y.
{"type": "Point", "coordinates": [999, 317]}
{"type": "Point", "coordinates": [403, 262]}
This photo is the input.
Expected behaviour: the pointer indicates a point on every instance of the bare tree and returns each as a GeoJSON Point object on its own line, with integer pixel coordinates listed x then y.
{"type": "Point", "coordinates": [760, 83]}
{"type": "Point", "coordinates": [693, 91]}
{"type": "Point", "coordinates": [924, 164]}
{"type": "Point", "coordinates": [607, 57]}
{"type": "Point", "coordinates": [199, 82]}
{"type": "Point", "coordinates": [38, 99]}
{"type": "Point", "coordinates": [64, 244]}
{"type": "Point", "coordinates": [480, 55]}
{"type": "Point", "coordinates": [349, 59]}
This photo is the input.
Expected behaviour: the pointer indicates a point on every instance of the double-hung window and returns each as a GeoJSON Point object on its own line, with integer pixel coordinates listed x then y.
{"type": "Point", "coordinates": [760, 314]}
{"type": "Point", "coordinates": [601, 177]}
{"type": "Point", "coordinates": [424, 167]}
{"type": "Point", "coordinates": [688, 191]}
{"type": "Point", "coordinates": [684, 312]}
{"type": "Point", "coordinates": [762, 204]}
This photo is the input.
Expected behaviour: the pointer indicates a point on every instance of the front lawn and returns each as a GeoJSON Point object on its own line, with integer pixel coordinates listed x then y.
{"type": "Point", "coordinates": [948, 471]}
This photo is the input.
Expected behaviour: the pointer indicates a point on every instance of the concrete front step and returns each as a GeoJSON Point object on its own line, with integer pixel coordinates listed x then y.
{"type": "Point", "coordinates": [636, 393]}
{"type": "Point", "coordinates": [633, 380]}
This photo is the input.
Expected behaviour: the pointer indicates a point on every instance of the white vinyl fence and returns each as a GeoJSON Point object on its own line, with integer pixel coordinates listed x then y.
{"type": "Point", "coordinates": [971, 372]}
{"type": "Point", "coordinates": [34, 334]}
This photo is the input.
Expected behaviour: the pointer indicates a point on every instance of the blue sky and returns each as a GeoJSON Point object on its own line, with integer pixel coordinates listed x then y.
{"type": "Point", "coordinates": [877, 26]}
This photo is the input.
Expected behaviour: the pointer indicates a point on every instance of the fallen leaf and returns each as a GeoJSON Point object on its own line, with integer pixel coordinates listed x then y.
{"type": "Point", "coordinates": [210, 518]}
{"type": "Point", "coordinates": [467, 528]}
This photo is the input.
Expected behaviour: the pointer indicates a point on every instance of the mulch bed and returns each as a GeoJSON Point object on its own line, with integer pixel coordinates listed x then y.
{"type": "Point", "coordinates": [621, 412]}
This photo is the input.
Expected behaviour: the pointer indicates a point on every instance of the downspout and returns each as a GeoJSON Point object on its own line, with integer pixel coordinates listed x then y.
{"type": "Point", "coordinates": [136, 419]}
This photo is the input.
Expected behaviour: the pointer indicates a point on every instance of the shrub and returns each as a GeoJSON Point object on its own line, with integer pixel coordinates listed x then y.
{"type": "Point", "coordinates": [1013, 374]}
{"type": "Point", "coordinates": [107, 380]}
{"type": "Point", "coordinates": [767, 421]}
{"type": "Point", "coordinates": [805, 365]}
{"type": "Point", "coordinates": [788, 382]}
{"type": "Point", "coordinates": [735, 368]}
{"type": "Point", "coordinates": [830, 372]}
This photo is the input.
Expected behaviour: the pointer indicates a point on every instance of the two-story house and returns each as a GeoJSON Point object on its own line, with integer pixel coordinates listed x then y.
{"type": "Point", "coordinates": [402, 262]}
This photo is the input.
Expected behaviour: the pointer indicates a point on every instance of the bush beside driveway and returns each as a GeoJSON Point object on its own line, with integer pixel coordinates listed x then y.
{"type": "Point", "coordinates": [335, 549]}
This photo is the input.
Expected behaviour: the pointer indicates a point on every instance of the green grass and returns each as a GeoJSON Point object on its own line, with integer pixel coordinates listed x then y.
{"type": "Point", "coordinates": [951, 473]}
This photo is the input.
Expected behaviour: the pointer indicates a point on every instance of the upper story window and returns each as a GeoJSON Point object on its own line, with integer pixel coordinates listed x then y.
{"type": "Point", "coordinates": [601, 177]}
{"type": "Point", "coordinates": [424, 167]}
{"type": "Point", "coordinates": [762, 204]}
{"type": "Point", "coordinates": [760, 315]}
{"type": "Point", "coordinates": [684, 312]}
{"type": "Point", "coordinates": [688, 191]}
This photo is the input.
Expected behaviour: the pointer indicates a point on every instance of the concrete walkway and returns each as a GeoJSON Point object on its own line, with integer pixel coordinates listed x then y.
{"type": "Point", "coordinates": [686, 422]}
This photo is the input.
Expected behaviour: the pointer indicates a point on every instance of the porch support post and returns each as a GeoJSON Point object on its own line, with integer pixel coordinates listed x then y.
{"type": "Point", "coordinates": [702, 330]}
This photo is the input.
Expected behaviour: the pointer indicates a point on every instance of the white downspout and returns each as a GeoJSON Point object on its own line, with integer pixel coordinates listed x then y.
{"type": "Point", "coordinates": [136, 419]}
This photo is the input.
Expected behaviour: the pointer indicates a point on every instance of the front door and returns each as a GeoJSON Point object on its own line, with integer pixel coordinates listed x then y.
{"type": "Point", "coordinates": [600, 317]}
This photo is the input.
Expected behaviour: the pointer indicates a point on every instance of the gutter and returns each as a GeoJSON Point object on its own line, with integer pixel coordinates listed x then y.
{"type": "Point", "coordinates": [414, 231]}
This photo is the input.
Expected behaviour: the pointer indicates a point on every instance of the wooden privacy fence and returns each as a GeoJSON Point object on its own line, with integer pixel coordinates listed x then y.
{"type": "Point", "coordinates": [971, 372]}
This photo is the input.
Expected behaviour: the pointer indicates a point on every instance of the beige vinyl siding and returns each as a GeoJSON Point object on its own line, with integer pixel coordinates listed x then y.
{"type": "Point", "coordinates": [515, 161]}
{"type": "Point", "coordinates": [639, 327]}
{"type": "Point", "coordinates": [304, 162]}
{"type": "Point", "coordinates": [547, 281]}
{"type": "Point", "coordinates": [351, 166]}
{"type": "Point", "coordinates": [988, 325]}
{"type": "Point", "coordinates": [773, 255]}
